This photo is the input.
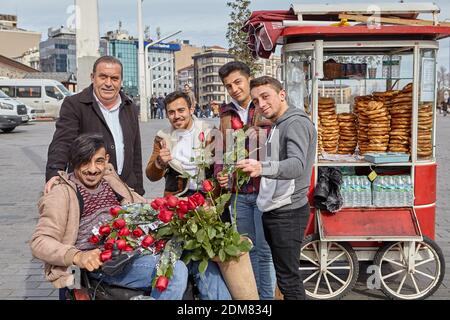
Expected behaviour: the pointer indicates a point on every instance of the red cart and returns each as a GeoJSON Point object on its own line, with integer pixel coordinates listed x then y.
{"type": "Point", "coordinates": [388, 216]}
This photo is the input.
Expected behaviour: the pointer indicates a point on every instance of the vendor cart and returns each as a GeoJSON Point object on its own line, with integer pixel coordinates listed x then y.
{"type": "Point", "coordinates": [348, 62]}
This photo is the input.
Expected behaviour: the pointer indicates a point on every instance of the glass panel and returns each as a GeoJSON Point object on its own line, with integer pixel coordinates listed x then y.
{"type": "Point", "coordinates": [298, 74]}
{"type": "Point", "coordinates": [28, 92]}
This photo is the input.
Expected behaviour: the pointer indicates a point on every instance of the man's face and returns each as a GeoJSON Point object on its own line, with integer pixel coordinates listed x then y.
{"type": "Point", "coordinates": [238, 86]}
{"type": "Point", "coordinates": [270, 103]}
{"type": "Point", "coordinates": [107, 81]}
{"type": "Point", "coordinates": [91, 173]}
{"type": "Point", "coordinates": [186, 88]}
{"type": "Point", "coordinates": [179, 114]}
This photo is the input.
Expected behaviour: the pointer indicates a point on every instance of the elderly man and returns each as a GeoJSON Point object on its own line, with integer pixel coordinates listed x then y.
{"type": "Point", "coordinates": [104, 109]}
{"type": "Point", "coordinates": [77, 203]}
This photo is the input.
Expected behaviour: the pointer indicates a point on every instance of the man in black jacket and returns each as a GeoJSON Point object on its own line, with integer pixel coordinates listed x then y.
{"type": "Point", "coordinates": [104, 109]}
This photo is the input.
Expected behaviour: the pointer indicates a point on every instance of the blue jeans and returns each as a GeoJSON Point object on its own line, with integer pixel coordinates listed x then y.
{"type": "Point", "coordinates": [210, 284]}
{"type": "Point", "coordinates": [249, 221]}
{"type": "Point", "coordinates": [160, 113]}
{"type": "Point", "coordinates": [139, 275]}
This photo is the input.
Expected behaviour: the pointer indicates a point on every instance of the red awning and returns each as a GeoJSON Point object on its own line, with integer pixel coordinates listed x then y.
{"type": "Point", "coordinates": [263, 28]}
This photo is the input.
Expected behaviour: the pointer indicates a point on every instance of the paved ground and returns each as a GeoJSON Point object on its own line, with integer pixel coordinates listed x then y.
{"type": "Point", "coordinates": [22, 166]}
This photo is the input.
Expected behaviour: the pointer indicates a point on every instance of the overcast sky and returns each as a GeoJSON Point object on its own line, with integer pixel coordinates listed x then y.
{"type": "Point", "coordinates": [203, 22]}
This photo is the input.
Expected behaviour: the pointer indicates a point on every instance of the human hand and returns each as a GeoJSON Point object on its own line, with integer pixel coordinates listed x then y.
{"type": "Point", "coordinates": [89, 260]}
{"type": "Point", "coordinates": [164, 154]}
{"type": "Point", "coordinates": [222, 179]}
{"type": "Point", "coordinates": [50, 183]}
{"type": "Point", "coordinates": [250, 166]}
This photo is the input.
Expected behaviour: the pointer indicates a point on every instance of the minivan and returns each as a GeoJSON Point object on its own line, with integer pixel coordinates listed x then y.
{"type": "Point", "coordinates": [20, 109]}
{"type": "Point", "coordinates": [43, 95]}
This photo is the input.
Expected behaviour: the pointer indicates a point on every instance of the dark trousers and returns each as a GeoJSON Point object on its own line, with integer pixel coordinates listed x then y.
{"type": "Point", "coordinates": [284, 233]}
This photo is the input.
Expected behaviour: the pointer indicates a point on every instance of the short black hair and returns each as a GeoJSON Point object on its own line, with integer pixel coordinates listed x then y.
{"type": "Point", "coordinates": [84, 147]}
{"type": "Point", "coordinates": [171, 97]}
{"type": "Point", "coordinates": [232, 66]}
{"type": "Point", "coordinates": [266, 80]}
{"type": "Point", "coordinates": [108, 59]}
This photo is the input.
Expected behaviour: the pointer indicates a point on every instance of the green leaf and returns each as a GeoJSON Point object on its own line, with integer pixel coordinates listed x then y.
{"type": "Point", "coordinates": [232, 250]}
{"type": "Point", "coordinates": [202, 266]}
{"type": "Point", "coordinates": [169, 272]}
{"type": "Point", "coordinates": [209, 250]}
{"type": "Point", "coordinates": [164, 231]}
{"type": "Point", "coordinates": [236, 238]}
{"type": "Point", "coordinates": [201, 235]}
{"type": "Point", "coordinates": [191, 244]}
{"type": "Point", "coordinates": [245, 246]}
{"type": "Point", "coordinates": [187, 258]}
{"type": "Point", "coordinates": [193, 227]}
{"type": "Point", "coordinates": [222, 255]}
{"type": "Point", "coordinates": [211, 232]}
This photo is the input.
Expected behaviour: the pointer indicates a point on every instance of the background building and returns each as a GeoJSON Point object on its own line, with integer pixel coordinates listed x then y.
{"type": "Point", "coordinates": [185, 76]}
{"type": "Point", "coordinates": [161, 64]}
{"type": "Point", "coordinates": [30, 58]}
{"type": "Point", "coordinates": [58, 52]}
{"type": "Point", "coordinates": [10, 68]}
{"type": "Point", "coordinates": [270, 67]}
{"type": "Point", "coordinates": [15, 41]}
{"type": "Point", "coordinates": [208, 86]}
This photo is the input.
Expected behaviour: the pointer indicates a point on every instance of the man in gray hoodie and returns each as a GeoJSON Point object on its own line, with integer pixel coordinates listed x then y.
{"type": "Point", "coordinates": [286, 176]}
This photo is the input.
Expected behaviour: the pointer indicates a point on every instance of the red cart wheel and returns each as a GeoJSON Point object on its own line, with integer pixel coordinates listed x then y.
{"type": "Point", "coordinates": [331, 277]}
{"type": "Point", "coordinates": [408, 274]}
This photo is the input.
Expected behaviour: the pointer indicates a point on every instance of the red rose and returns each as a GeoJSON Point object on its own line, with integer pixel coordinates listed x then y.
{"type": "Point", "coordinates": [124, 232]}
{"type": "Point", "coordinates": [160, 244]}
{"type": "Point", "coordinates": [162, 283]}
{"type": "Point", "coordinates": [182, 209]}
{"type": "Point", "coordinates": [147, 241]}
{"type": "Point", "coordinates": [171, 201]}
{"type": "Point", "coordinates": [158, 203]}
{"type": "Point", "coordinates": [236, 123]}
{"type": "Point", "coordinates": [191, 203]}
{"type": "Point", "coordinates": [114, 211]}
{"type": "Point", "coordinates": [201, 136]}
{"type": "Point", "coordinates": [165, 215]}
{"type": "Point", "coordinates": [104, 230]}
{"type": "Point", "coordinates": [137, 232]}
{"type": "Point", "coordinates": [119, 224]}
{"type": "Point", "coordinates": [207, 185]}
{"type": "Point", "coordinates": [121, 244]}
{"type": "Point", "coordinates": [94, 239]}
{"type": "Point", "coordinates": [199, 199]}
{"type": "Point", "coordinates": [128, 248]}
{"type": "Point", "coordinates": [106, 255]}
{"type": "Point", "coordinates": [109, 244]}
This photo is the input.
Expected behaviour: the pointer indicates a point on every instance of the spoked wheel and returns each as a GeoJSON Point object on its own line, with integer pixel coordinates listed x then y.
{"type": "Point", "coordinates": [329, 269]}
{"type": "Point", "coordinates": [410, 270]}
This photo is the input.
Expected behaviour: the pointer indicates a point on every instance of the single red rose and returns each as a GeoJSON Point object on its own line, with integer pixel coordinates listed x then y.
{"type": "Point", "coordinates": [236, 123]}
{"type": "Point", "coordinates": [128, 248]}
{"type": "Point", "coordinates": [171, 201]}
{"type": "Point", "coordinates": [158, 203]}
{"type": "Point", "coordinates": [114, 211]}
{"type": "Point", "coordinates": [160, 244]}
{"type": "Point", "coordinates": [207, 185]}
{"type": "Point", "coordinates": [119, 224]}
{"type": "Point", "coordinates": [137, 232]}
{"type": "Point", "coordinates": [106, 255]}
{"type": "Point", "coordinates": [104, 230]}
{"type": "Point", "coordinates": [199, 199]}
{"type": "Point", "coordinates": [191, 203]}
{"type": "Point", "coordinates": [147, 241]}
{"type": "Point", "coordinates": [121, 244]}
{"type": "Point", "coordinates": [201, 136]}
{"type": "Point", "coordinates": [94, 239]}
{"type": "Point", "coordinates": [182, 209]}
{"type": "Point", "coordinates": [109, 244]}
{"type": "Point", "coordinates": [161, 283]}
{"type": "Point", "coordinates": [124, 232]}
{"type": "Point", "coordinates": [165, 215]}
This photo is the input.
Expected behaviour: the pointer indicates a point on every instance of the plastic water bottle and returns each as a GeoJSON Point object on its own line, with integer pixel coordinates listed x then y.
{"type": "Point", "coordinates": [358, 192]}
{"type": "Point", "coordinates": [383, 192]}
{"type": "Point", "coordinates": [409, 191]}
{"type": "Point", "coordinates": [367, 192]}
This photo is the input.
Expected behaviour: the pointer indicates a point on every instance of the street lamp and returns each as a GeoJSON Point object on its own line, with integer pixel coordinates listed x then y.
{"type": "Point", "coordinates": [149, 87]}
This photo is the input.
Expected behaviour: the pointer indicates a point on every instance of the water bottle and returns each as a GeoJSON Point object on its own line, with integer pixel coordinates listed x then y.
{"type": "Point", "coordinates": [343, 190]}
{"type": "Point", "coordinates": [367, 192]}
{"type": "Point", "coordinates": [375, 192]}
{"type": "Point", "coordinates": [383, 192]}
{"type": "Point", "coordinates": [409, 191]}
{"type": "Point", "coordinates": [357, 183]}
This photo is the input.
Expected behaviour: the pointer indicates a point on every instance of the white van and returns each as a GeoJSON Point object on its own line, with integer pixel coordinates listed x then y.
{"type": "Point", "coordinates": [43, 95]}
{"type": "Point", "coordinates": [19, 108]}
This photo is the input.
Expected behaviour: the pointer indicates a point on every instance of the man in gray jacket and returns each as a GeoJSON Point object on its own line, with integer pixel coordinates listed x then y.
{"type": "Point", "coordinates": [285, 181]}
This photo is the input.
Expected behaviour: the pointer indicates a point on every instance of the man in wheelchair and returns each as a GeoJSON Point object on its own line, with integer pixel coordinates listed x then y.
{"type": "Point", "coordinates": [79, 202]}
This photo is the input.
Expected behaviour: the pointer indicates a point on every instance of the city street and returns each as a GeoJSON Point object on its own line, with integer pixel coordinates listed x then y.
{"type": "Point", "coordinates": [22, 167]}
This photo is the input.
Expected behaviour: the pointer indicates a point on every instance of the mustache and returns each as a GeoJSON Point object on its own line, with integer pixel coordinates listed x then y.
{"type": "Point", "coordinates": [90, 173]}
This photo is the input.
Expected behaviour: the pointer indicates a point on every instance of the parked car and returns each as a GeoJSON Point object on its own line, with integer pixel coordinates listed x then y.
{"type": "Point", "coordinates": [9, 119]}
{"type": "Point", "coordinates": [18, 108]}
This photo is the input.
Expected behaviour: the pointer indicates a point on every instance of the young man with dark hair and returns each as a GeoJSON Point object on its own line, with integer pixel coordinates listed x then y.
{"type": "Point", "coordinates": [285, 181]}
{"type": "Point", "coordinates": [172, 157]}
{"type": "Point", "coordinates": [235, 76]}
{"type": "Point", "coordinates": [77, 203]}
{"type": "Point", "coordinates": [104, 109]}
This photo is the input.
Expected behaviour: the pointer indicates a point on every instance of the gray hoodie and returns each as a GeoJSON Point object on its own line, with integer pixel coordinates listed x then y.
{"type": "Point", "coordinates": [287, 172]}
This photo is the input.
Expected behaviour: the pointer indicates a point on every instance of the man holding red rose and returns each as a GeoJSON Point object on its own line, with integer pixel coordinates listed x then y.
{"type": "Point", "coordinates": [173, 157]}
{"type": "Point", "coordinates": [241, 111]}
{"type": "Point", "coordinates": [76, 204]}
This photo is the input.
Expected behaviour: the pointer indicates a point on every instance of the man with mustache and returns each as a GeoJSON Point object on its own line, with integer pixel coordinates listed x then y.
{"type": "Point", "coordinates": [235, 76]}
{"type": "Point", "coordinates": [80, 201]}
{"type": "Point", "coordinates": [104, 109]}
{"type": "Point", "coordinates": [174, 156]}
